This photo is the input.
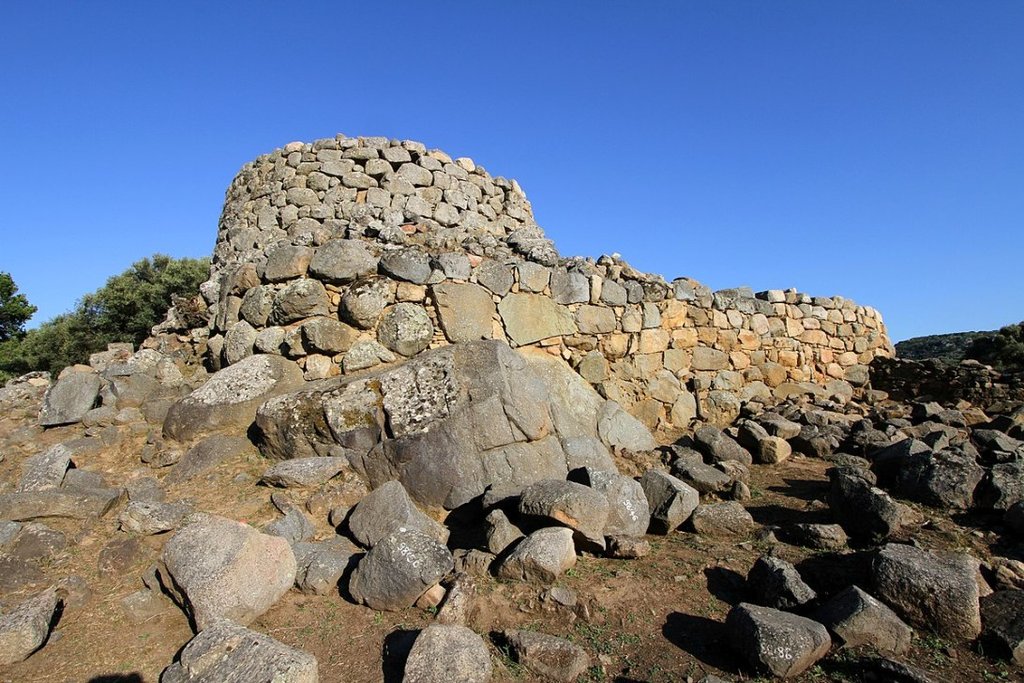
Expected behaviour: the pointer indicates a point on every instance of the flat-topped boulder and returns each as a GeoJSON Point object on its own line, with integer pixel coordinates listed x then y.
{"type": "Point", "coordinates": [229, 399]}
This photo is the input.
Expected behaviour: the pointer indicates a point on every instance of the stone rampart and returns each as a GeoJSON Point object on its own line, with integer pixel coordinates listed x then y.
{"type": "Point", "coordinates": [351, 252]}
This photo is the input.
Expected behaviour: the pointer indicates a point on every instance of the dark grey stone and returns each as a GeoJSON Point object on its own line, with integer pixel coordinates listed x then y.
{"type": "Point", "coordinates": [775, 642]}
{"type": "Point", "coordinates": [929, 590]}
{"type": "Point", "coordinates": [857, 619]}
{"type": "Point", "coordinates": [670, 501]}
{"type": "Point", "coordinates": [399, 569]}
{"type": "Point", "coordinates": [776, 583]}
{"type": "Point", "coordinates": [388, 509]}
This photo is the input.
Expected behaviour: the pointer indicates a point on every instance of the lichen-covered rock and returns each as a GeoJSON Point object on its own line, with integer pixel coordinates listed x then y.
{"type": "Point", "coordinates": [728, 518]}
{"type": "Point", "coordinates": [229, 399]}
{"type": "Point", "coordinates": [405, 329]}
{"type": "Point", "coordinates": [930, 590]}
{"type": "Point", "coordinates": [399, 569]}
{"type": "Point", "coordinates": [225, 652]}
{"type": "Point", "coordinates": [304, 472]}
{"type": "Point", "coordinates": [216, 567]}
{"type": "Point", "coordinates": [70, 398]}
{"type": "Point", "coordinates": [445, 653]}
{"type": "Point", "coordinates": [466, 311]}
{"type": "Point", "coordinates": [340, 261]}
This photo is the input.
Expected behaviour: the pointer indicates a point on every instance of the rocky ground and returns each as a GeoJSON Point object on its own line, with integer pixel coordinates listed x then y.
{"type": "Point", "coordinates": [824, 538]}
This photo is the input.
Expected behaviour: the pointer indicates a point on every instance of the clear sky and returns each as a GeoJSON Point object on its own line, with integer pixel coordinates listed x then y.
{"type": "Point", "coordinates": [873, 149]}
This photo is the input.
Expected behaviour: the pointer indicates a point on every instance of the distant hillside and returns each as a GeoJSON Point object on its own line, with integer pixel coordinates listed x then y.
{"type": "Point", "coordinates": [948, 348]}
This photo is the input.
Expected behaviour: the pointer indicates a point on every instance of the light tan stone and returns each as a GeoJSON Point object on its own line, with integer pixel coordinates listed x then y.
{"type": "Point", "coordinates": [684, 338]}
{"type": "Point", "coordinates": [677, 359]}
{"type": "Point", "coordinates": [789, 359]}
{"type": "Point", "coordinates": [705, 358]}
{"type": "Point", "coordinates": [615, 345]}
{"type": "Point", "coordinates": [596, 319]}
{"type": "Point", "coordinates": [654, 341]}
{"type": "Point", "coordinates": [673, 314]}
{"type": "Point", "coordinates": [748, 340]}
{"type": "Point", "coordinates": [739, 360]}
{"type": "Point", "coordinates": [530, 318]}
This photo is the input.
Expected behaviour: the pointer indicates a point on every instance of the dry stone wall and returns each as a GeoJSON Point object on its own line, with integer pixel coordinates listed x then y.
{"type": "Point", "coordinates": [347, 253]}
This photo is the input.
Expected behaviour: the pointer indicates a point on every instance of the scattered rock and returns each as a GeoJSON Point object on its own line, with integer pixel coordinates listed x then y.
{"type": "Point", "coordinates": [541, 557]}
{"type": "Point", "coordinates": [776, 583]}
{"type": "Point", "coordinates": [446, 653]}
{"type": "Point", "coordinates": [217, 567]}
{"type": "Point", "coordinates": [776, 642]}
{"type": "Point", "coordinates": [670, 500]}
{"type": "Point", "coordinates": [858, 619]}
{"type": "Point", "coordinates": [229, 399]}
{"type": "Point", "coordinates": [57, 503]}
{"type": "Point", "coordinates": [816, 536]}
{"type": "Point", "coordinates": [386, 510]}
{"type": "Point", "coordinates": [70, 398]}
{"type": "Point", "coordinates": [628, 509]}
{"type": "Point", "coordinates": [728, 518]}
{"type": "Point", "coordinates": [25, 629]}
{"type": "Point", "coordinates": [140, 517]}
{"type": "Point", "coordinates": [46, 470]}
{"type": "Point", "coordinates": [550, 657]}
{"type": "Point", "coordinates": [716, 445]}
{"type": "Point", "coordinates": [225, 651]}
{"type": "Point", "coordinates": [579, 507]}
{"type": "Point", "coordinates": [398, 569]}
{"type": "Point", "coordinates": [1002, 614]}
{"type": "Point", "coordinates": [932, 591]}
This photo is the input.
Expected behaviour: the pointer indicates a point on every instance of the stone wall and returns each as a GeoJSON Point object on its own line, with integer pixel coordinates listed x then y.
{"type": "Point", "coordinates": [932, 380]}
{"type": "Point", "coordinates": [351, 252]}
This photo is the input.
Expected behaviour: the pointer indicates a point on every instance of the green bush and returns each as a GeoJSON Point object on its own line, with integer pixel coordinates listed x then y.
{"type": "Point", "coordinates": [1003, 350]}
{"type": "Point", "coordinates": [123, 310]}
{"type": "Point", "coordinates": [15, 310]}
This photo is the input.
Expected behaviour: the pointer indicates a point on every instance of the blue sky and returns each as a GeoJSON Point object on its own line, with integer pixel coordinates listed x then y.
{"type": "Point", "coordinates": [873, 149]}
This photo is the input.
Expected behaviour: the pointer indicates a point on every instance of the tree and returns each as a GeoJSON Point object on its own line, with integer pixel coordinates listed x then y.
{"type": "Point", "coordinates": [125, 309]}
{"type": "Point", "coordinates": [15, 310]}
{"type": "Point", "coordinates": [1003, 350]}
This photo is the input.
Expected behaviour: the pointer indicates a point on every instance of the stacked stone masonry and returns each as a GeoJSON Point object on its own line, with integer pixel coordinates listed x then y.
{"type": "Point", "coordinates": [351, 252]}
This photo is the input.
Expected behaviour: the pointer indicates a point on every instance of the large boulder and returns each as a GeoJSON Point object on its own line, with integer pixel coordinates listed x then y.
{"type": "Point", "coordinates": [225, 652]}
{"type": "Point", "coordinates": [24, 629]}
{"type": "Point", "coordinates": [776, 642]}
{"type": "Point", "coordinates": [935, 591]}
{"type": "Point", "coordinates": [70, 398]}
{"type": "Point", "coordinates": [229, 399]}
{"type": "Point", "coordinates": [444, 653]}
{"type": "Point", "coordinates": [446, 424]}
{"type": "Point", "coordinates": [857, 618]}
{"type": "Point", "coordinates": [216, 567]}
{"type": "Point", "coordinates": [388, 509]}
{"type": "Point", "coordinates": [400, 568]}
{"type": "Point", "coordinates": [567, 503]}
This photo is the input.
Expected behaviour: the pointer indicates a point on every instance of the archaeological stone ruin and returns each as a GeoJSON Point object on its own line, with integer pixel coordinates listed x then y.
{"type": "Point", "coordinates": [349, 253]}
{"type": "Point", "coordinates": [397, 436]}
